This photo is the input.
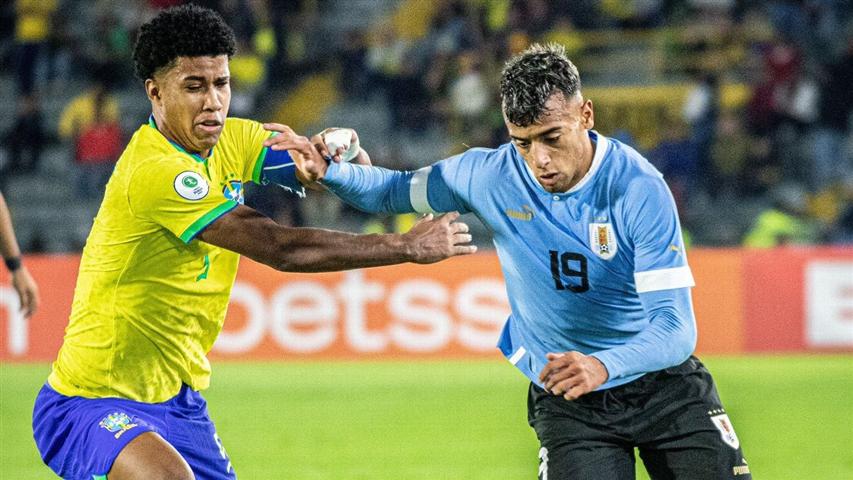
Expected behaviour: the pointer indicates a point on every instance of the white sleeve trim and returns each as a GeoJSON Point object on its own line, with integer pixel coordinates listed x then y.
{"type": "Point", "coordinates": [517, 355]}
{"type": "Point", "coordinates": [418, 191]}
{"type": "Point", "coordinates": [664, 279]}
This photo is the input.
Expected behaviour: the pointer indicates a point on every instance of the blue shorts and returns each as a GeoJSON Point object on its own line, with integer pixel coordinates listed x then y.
{"type": "Point", "coordinates": [80, 438]}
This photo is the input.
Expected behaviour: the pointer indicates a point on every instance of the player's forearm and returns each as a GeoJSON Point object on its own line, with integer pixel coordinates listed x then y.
{"type": "Point", "coordinates": [669, 339]}
{"type": "Point", "coordinates": [318, 250]}
{"type": "Point", "coordinates": [8, 244]}
{"type": "Point", "coordinates": [370, 189]}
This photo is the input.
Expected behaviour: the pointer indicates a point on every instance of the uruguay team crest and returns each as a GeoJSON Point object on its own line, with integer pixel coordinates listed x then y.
{"type": "Point", "coordinates": [602, 240]}
{"type": "Point", "coordinates": [727, 431]}
{"type": "Point", "coordinates": [118, 423]}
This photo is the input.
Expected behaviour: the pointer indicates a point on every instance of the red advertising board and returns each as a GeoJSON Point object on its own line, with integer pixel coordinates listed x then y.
{"type": "Point", "coordinates": [745, 301]}
{"type": "Point", "coordinates": [798, 299]}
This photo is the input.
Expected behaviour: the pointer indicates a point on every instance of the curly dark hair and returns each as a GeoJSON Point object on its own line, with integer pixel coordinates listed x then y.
{"type": "Point", "coordinates": [182, 31]}
{"type": "Point", "coordinates": [531, 77]}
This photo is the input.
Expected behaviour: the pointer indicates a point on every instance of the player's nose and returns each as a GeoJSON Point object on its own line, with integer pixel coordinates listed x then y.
{"type": "Point", "coordinates": [212, 100]}
{"type": "Point", "coordinates": [540, 157]}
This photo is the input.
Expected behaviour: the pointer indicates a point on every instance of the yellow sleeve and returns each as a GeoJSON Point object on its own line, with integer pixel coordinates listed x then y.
{"type": "Point", "coordinates": [174, 192]}
{"type": "Point", "coordinates": [251, 135]}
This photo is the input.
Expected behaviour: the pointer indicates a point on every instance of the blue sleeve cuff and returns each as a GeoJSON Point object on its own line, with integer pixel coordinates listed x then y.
{"type": "Point", "coordinates": [279, 169]}
{"type": "Point", "coordinates": [337, 174]}
{"type": "Point", "coordinates": [610, 362]}
{"type": "Point", "coordinates": [668, 340]}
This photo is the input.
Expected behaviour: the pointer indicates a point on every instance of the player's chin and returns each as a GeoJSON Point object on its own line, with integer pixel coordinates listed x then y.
{"type": "Point", "coordinates": [207, 137]}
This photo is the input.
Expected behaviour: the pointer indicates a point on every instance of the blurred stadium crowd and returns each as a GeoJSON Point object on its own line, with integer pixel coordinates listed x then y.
{"type": "Point", "coordinates": [745, 106]}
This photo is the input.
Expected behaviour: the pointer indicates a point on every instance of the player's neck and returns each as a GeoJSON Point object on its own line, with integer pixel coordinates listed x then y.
{"type": "Point", "coordinates": [164, 130]}
{"type": "Point", "coordinates": [586, 164]}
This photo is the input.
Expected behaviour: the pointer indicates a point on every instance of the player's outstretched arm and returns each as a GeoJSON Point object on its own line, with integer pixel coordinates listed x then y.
{"type": "Point", "coordinates": [245, 231]}
{"type": "Point", "coordinates": [22, 281]}
{"type": "Point", "coordinates": [368, 188]}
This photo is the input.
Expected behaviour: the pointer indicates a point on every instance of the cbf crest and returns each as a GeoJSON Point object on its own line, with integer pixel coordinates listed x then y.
{"type": "Point", "coordinates": [233, 190]}
{"type": "Point", "coordinates": [117, 423]}
{"type": "Point", "coordinates": [602, 240]}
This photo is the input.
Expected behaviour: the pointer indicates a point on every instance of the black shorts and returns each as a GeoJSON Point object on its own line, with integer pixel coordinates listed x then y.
{"type": "Point", "coordinates": [673, 416]}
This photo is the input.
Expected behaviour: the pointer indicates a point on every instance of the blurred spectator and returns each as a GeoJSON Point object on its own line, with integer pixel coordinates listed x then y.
{"type": "Point", "coordinates": [841, 231]}
{"type": "Point", "coordinates": [450, 32]}
{"type": "Point", "coordinates": [730, 153]}
{"type": "Point", "coordinates": [746, 135]}
{"type": "Point", "coordinates": [355, 80]}
{"type": "Point", "coordinates": [385, 55]}
{"type": "Point", "coordinates": [291, 21]}
{"type": "Point", "coordinates": [830, 158]}
{"type": "Point", "coordinates": [790, 19]}
{"type": "Point", "coordinates": [632, 14]}
{"type": "Point", "coordinates": [700, 112]}
{"type": "Point", "coordinates": [410, 101]}
{"type": "Point", "coordinates": [248, 71]}
{"type": "Point", "coordinates": [675, 156]}
{"type": "Point", "coordinates": [469, 94]}
{"type": "Point", "coordinates": [111, 46]}
{"type": "Point", "coordinates": [781, 66]}
{"type": "Point", "coordinates": [90, 122]}
{"type": "Point", "coordinates": [31, 35]}
{"type": "Point", "coordinates": [784, 222]}
{"type": "Point", "coordinates": [25, 140]}
{"type": "Point", "coordinates": [564, 33]}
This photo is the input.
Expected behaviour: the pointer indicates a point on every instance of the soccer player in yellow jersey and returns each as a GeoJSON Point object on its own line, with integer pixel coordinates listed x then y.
{"type": "Point", "coordinates": [122, 401]}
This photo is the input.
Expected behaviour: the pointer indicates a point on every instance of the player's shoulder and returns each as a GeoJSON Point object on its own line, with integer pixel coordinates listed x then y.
{"type": "Point", "coordinates": [239, 127]}
{"type": "Point", "coordinates": [476, 164]}
{"type": "Point", "coordinates": [483, 155]}
{"type": "Point", "coordinates": [628, 168]}
{"type": "Point", "coordinates": [159, 164]}
{"type": "Point", "coordinates": [235, 123]}
{"type": "Point", "coordinates": [240, 131]}
{"type": "Point", "coordinates": [147, 145]}
{"type": "Point", "coordinates": [629, 160]}
{"type": "Point", "coordinates": [474, 153]}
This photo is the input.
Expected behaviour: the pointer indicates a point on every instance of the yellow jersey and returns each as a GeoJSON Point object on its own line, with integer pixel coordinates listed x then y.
{"type": "Point", "coordinates": [150, 300]}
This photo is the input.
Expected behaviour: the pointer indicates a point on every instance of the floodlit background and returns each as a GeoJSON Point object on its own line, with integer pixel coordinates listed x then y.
{"type": "Point", "coordinates": [744, 106]}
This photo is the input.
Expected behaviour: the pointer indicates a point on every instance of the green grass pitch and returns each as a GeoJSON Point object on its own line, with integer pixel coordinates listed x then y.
{"type": "Point", "coordinates": [461, 419]}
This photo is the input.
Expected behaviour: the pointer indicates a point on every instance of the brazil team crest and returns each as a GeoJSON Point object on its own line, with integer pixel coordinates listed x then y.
{"type": "Point", "coordinates": [602, 240]}
{"type": "Point", "coordinates": [233, 190]}
{"type": "Point", "coordinates": [118, 423]}
{"type": "Point", "coordinates": [191, 185]}
{"type": "Point", "coordinates": [727, 431]}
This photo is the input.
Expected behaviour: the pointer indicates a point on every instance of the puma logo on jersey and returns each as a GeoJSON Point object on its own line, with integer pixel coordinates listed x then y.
{"type": "Point", "coordinates": [526, 215]}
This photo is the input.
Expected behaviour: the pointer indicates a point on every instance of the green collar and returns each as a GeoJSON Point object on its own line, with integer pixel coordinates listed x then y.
{"type": "Point", "coordinates": [196, 157]}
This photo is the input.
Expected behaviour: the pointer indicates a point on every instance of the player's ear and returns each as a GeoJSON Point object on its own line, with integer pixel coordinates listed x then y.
{"type": "Point", "coordinates": [587, 115]}
{"type": "Point", "coordinates": [152, 90]}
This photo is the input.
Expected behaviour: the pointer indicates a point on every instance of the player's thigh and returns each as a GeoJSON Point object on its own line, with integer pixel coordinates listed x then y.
{"type": "Point", "coordinates": [692, 437]}
{"type": "Point", "coordinates": [150, 457]}
{"type": "Point", "coordinates": [585, 462]}
{"type": "Point", "coordinates": [704, 456]}
{"type": "Point", "coordinates": [575, 444]}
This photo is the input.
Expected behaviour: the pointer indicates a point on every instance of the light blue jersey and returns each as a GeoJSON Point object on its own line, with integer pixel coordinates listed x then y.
{"type": "Point", "coordinates": [600, 269]}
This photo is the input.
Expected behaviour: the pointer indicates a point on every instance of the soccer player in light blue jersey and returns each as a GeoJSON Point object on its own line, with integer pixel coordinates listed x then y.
{"type": "Point", "coordinates": [590, 246]}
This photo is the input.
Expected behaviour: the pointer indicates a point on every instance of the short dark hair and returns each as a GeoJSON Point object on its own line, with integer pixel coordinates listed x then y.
{"type": "Point", "coordinates": [531, 77]}
{"type": "Point", "coordinates": [182, 31]}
